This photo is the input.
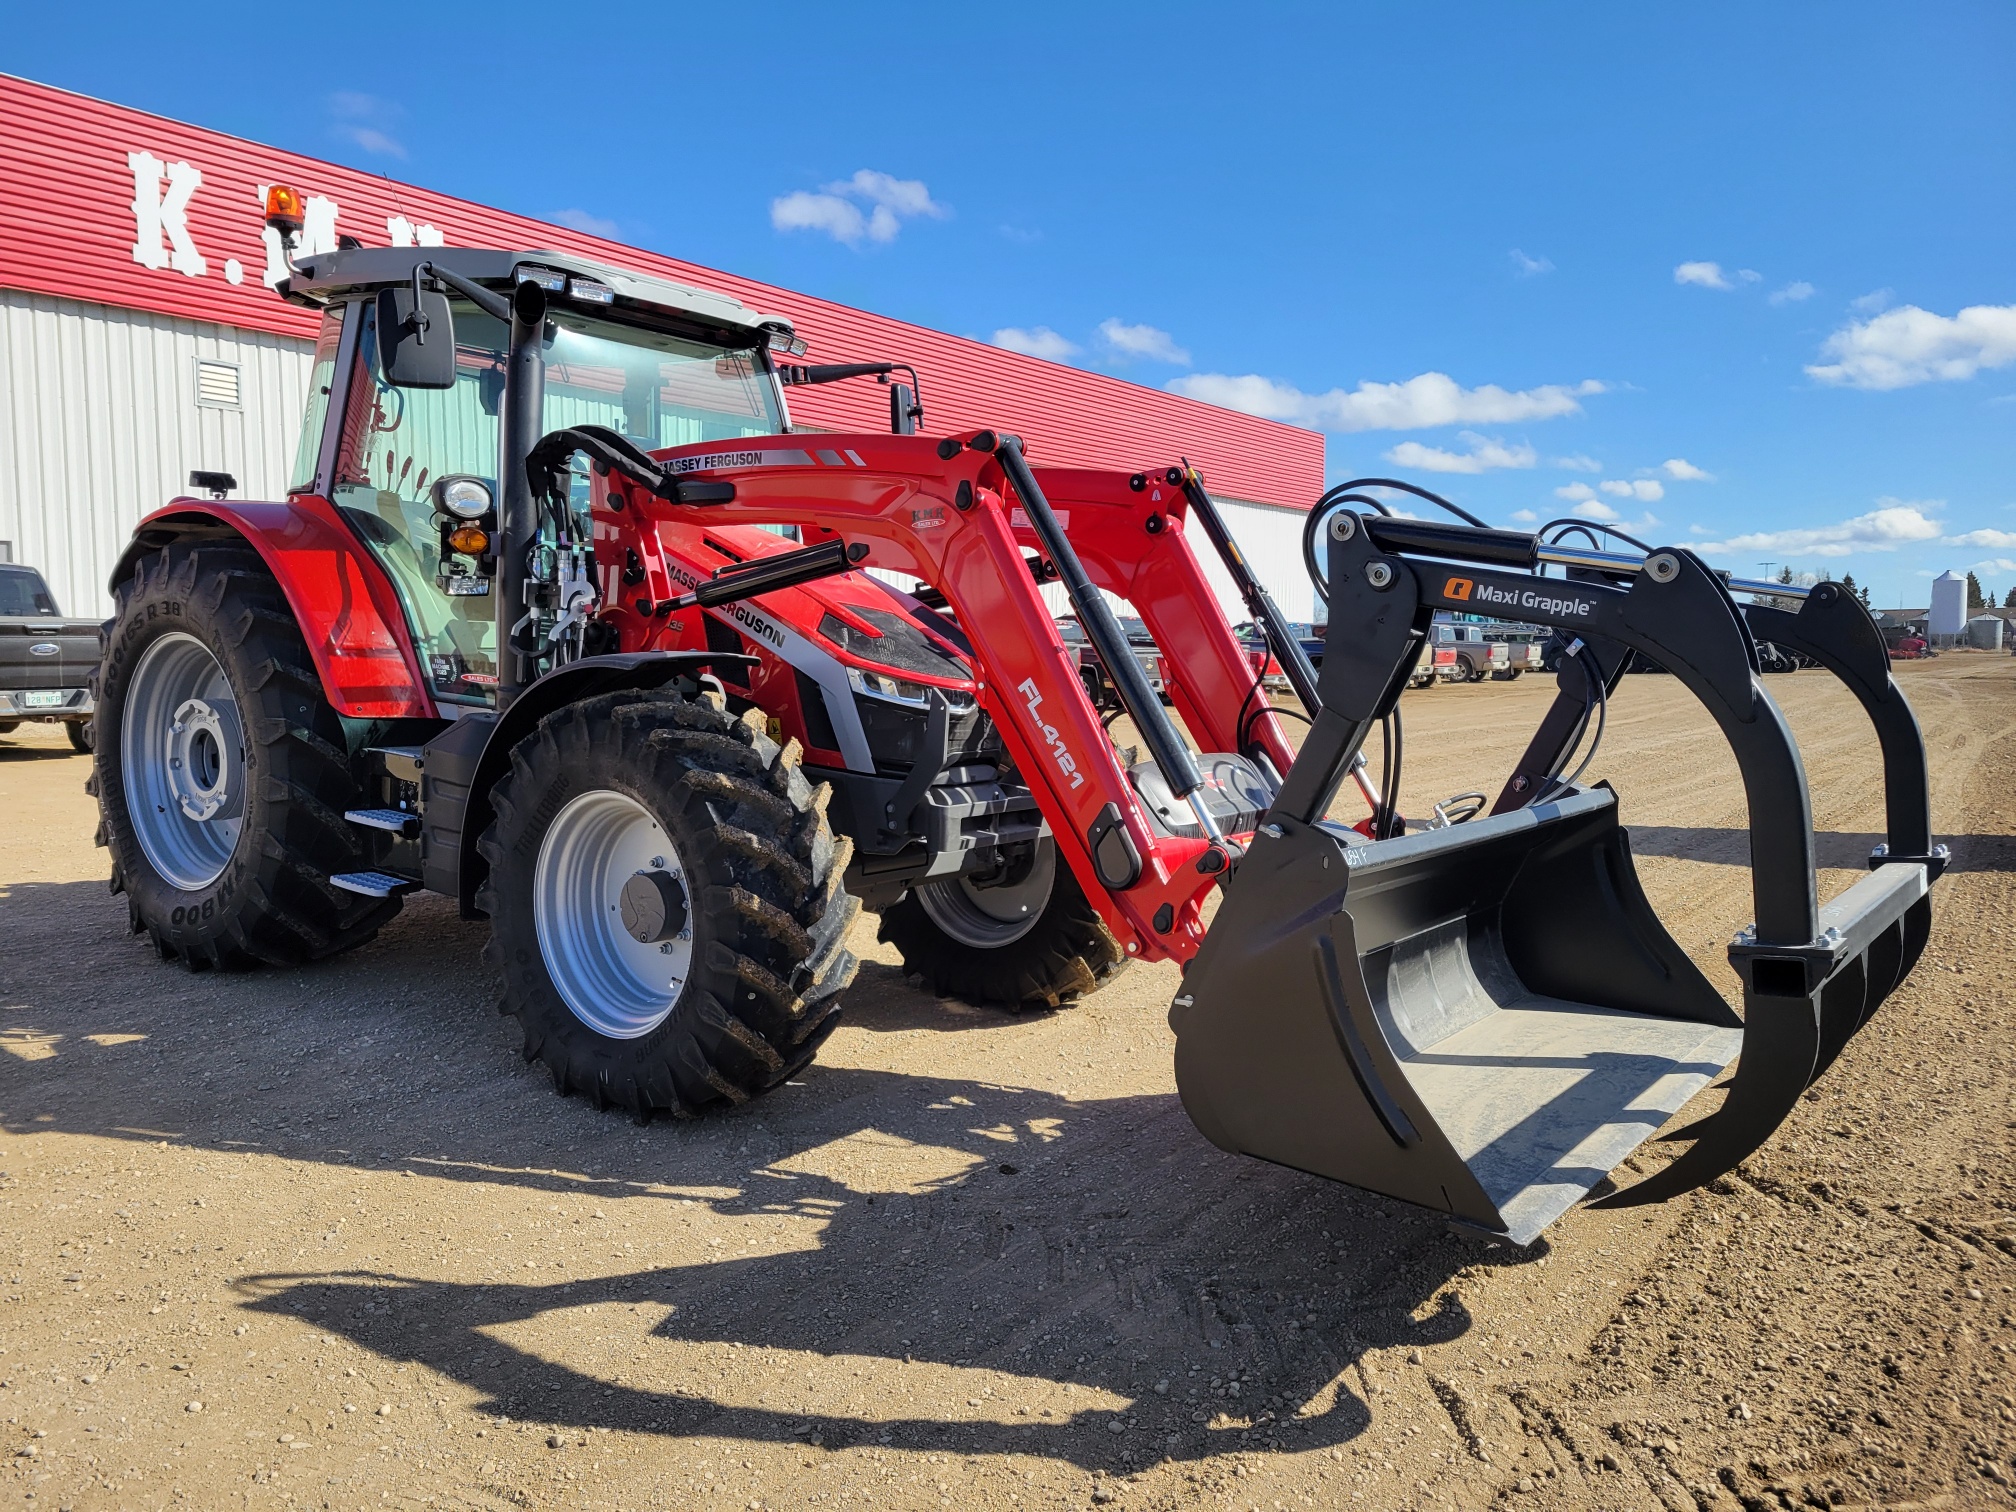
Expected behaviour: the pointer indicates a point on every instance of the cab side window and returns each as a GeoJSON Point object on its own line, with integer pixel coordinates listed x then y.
{"type": "Point", "coordinates": [396, 442]}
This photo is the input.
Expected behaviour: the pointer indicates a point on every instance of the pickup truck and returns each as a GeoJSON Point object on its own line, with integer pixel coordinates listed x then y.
{"type": "Point", "coordinates": [1525, 646]}
{"type": "Point", "coordinates": [46, 661]}
{"type": "Point", "coordinates": [1478, 656]}
{"type": "Point", "coordinates": [1097, 686]}
{"type": "Point", "coordinates": [1268, 666]}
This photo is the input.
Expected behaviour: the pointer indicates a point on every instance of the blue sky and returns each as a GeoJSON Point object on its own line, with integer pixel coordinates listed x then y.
{"type": "Point", "coordinates": [1548, 258]}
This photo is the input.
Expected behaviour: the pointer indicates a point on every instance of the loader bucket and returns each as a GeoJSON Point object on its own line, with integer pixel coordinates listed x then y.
{"type": "Point", "coordinates": [1487, 1019]}
{"type": "Point", "coordinates": [1484, 1019]}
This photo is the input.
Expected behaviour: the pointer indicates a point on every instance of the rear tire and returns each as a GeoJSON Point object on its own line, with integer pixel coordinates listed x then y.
{"type": "Point", "coordinates": [220, 771]}
{"type": "Point", "coordinates": [80, 732]}
{"type": "Point", "coordinates": [721, 977]}
{"type": "Point", "coordinates": [1061, 953]}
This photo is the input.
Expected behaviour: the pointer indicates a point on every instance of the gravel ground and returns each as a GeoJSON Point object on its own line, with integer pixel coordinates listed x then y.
{"type": "Point", "coordinates": [320, 1238]}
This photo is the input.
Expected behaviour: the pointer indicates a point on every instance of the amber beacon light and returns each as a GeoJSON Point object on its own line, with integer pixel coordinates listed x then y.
{"type": "Point", "coordinates": [284, 212]}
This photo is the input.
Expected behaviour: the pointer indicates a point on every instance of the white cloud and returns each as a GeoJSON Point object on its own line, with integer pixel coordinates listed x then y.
{"type": "Point", "coordinates": [581, 220]}
{"type": "Point", "coordinates": [1998, 540]}
{"type": "Point", "coordinates": [1142, 341]}
{"type": "Point", "coordinates": [870, 204]}
{"type": "Point", "coordinates": [1484, 455]}
{"type": "Point", "coordinates": [367, 121]}
{"type": "Point", "coordinates": [840, 219]}
{"type": "Point", "coordinates": [1994, 564]}
{"type": "Point", "coordinates": [1524, 516]}
{"type": "Point", "coordinates": [1594, 509]}
{"type": "Point", "coordinates": [1894, 523]}
{"type": "Point", "coordinates": [1578, 463]}
{"type": "Point", "coordinates": [1681, 469]}
{"type": "Point", "coordinates": [1793, 292]}
{"type": "Point", "coordinates": [1036, 341]}
{"type": "Point", "coordinates": [1874, 300]}
{"type": "Point", "coordinates": [1645, 490]}
{"type": "Point", "coordinates": [1529, 267]}
{"type": "Point", "coordinates": [1420, 403]}
{"type": "Point", "coordinates": [1749, 275]}
{"type": "Point", "coordinates": [1574, 492]}
{"type": "Point", "coordinates": [1909, 346]}
{"type": "Point", "coordinates": [1707, 275]}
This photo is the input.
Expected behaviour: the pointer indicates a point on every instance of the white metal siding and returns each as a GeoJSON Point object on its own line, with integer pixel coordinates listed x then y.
{"type": "Point", "coordinates": [1272, 541]}
{"type": "Point", "coordinates": [99, 424]}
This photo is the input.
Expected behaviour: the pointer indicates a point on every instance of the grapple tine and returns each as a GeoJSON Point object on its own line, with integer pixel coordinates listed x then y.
{"type": "Point", "coordinates": [1780, 1046]}
{"type": "Point", "coordinates": [1917, 930]}
{"type": "Point", "coordinates": [1844, 1006]}
{"type": "Point", "coordinates": [1791, 1036]}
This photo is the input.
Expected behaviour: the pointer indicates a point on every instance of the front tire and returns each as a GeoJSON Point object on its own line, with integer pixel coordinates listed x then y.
{"type": "Point", "coordinates": [220, 771]}
{"type": "Point", "coordinates": [666, 904]}
{"type": "Point", "coordinates": [1032, 943]}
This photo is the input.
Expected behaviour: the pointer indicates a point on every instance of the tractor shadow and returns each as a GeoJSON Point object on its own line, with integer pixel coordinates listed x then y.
{"type": "Point", "coordinates": [1832, 849]}
{"type": "Point", "coordinates": [883, 1000]}
{"type": "Point", "coordinates": [945, 1221]}
{"type": "Point", "coordinates": [13, 749]}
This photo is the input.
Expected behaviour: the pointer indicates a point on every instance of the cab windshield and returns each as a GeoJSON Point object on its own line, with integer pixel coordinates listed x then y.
{"type": "Point", "coordinates": [656, 388]}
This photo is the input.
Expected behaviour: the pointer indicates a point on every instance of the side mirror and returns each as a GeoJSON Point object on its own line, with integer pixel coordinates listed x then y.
{"type": "Point", "coordinates": [416, 339]}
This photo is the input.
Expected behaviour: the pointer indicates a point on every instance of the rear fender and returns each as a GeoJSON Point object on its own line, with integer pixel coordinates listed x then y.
{"type": "Point", "coordinates": [345, 605]}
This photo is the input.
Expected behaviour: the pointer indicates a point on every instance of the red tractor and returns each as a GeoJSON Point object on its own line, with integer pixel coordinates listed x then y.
{"type": "Point", "coordinates": [655, 719]}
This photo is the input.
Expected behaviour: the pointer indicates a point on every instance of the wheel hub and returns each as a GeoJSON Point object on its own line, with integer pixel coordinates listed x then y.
{"type": "Point", "coordinates": [182, 759]}
{"type": "Point", "coordinates": [201, 749]}
{"type": "Point", "coordinates": [610, 904]}
{"type": "Point", "coordinates": [987, 918]}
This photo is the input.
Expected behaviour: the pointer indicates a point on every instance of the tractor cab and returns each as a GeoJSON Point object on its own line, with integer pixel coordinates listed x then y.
{"type": "Point", "coordinates": [410, 396]}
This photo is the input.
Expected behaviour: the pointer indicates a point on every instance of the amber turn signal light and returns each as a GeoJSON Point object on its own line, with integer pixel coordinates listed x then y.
{"type": "Point", "coordinates": [285, 212]}
{"type": "Point", "coordinates": [470, 540]}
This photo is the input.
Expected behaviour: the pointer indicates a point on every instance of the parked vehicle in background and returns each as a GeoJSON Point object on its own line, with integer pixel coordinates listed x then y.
{"type": "Point", "coordinates": [1266, 663]}
{"type": "Point", "coordinates": [1477, 656]}
{"type": "Point", "coordinates": [1525, 649]}
{"type": "Point", "coordinates": [46, 661]}
{"type": "Point", "coordinates": [1098, 686]}
{"type": "Point", "coordinates": [1438, 664]}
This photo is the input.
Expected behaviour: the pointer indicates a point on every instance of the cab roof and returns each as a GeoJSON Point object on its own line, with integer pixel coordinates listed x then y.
{"type": "Point", "coordinates": [327, 276]}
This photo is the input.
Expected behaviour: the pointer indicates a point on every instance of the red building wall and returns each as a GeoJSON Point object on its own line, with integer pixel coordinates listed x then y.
{"type": "Point", "coordinates": [115, 206]}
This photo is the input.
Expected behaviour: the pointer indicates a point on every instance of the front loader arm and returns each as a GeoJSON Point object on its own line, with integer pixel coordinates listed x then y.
{"type": "Point", "coordinates": [1132, 534]}
{"type": "Point", "coordinates": [940, 511]}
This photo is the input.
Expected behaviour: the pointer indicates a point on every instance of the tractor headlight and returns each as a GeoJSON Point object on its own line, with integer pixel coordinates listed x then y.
{"type": "Point", "coordinates": [592, 292]}
{"type": "Point", "coordinates": [464, 497]}
{"type": "Point", "coordinates": [882, 685]}
{"type": "Point", "coordinates": [546, 278]}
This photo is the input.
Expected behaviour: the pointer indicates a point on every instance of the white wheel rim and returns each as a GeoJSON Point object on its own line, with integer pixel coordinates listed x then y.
{"type": "Point", "coordinates": [616, 984]}
{"type": "Point", "coordinates": [182, 760]}
{"type": "Point", "coordinates": [987, 918]}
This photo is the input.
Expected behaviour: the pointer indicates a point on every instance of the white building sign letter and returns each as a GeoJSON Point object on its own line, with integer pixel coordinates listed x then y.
{"type": "Point", "coordinates": [401, 232]}
{"type": "Point", "coordinates": [161, 221]}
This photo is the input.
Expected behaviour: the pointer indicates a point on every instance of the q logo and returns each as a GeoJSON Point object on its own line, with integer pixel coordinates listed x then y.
{"type": "Point", "coordinates": [1458, 589]}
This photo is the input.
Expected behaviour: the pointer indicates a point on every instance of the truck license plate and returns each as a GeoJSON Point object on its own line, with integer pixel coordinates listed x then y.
{"type": "Point", "coordinates": [50, 700]}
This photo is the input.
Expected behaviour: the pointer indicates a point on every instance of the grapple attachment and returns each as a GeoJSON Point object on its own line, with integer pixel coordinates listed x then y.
{"type": "Point", "coordinates": [1487, 1018]}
